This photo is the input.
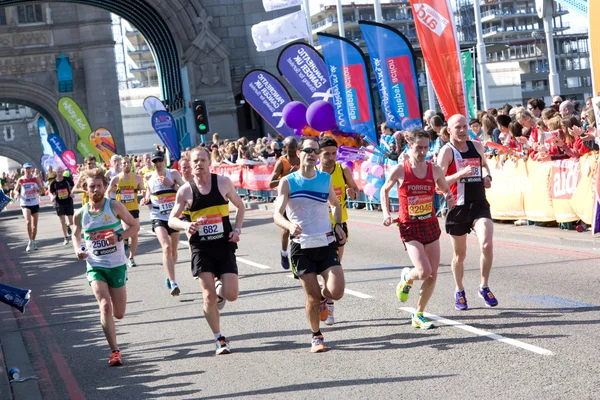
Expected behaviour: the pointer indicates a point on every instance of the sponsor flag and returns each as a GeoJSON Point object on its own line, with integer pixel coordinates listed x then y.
{"type": "Point", "coordinates": [269, 35]}
{"type": "Point", "coordinates": [596, 217]}
{"type": "Point", "coordinates": [44, 136]}
{"type": "Point", "coordinates": [594, 35]}
{"type": "Point", "coordinates": [273, 5]}
{"type": "Point", "coordinates": [56, 143]}
{"type": "Point", "coordinates": [467, 66]}
{"type": "Point", "coordinates": [153, 104]}
{"type": "Point", "coordinates": [437, 35]}
{"type": "Point", "coordinates": [304, 68]}
{"type": "Point", "coordinates": [267, 95]}
{"type": "Point", "coordinates": [68, 157]}
{"type": "Point", "coordinates": [392, 60]}
{"type": "Point", "coordinates": [164, 125]}
{"type": "Point", "coordinates": [349, 79]}
{"type": "Point", "coordinates": [4, 200]}
{"type": "Point", "coordinates": [77, 120]}
{"type": "Point", "coordinates": [103, 143]}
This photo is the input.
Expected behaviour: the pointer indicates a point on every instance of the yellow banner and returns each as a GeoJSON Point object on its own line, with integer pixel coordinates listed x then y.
{"type": "Point", "coordinates": [538, 196]}
{"type": "Point", "coordinates": [594, 43]}
{"type": "Point", "coordinates": [506, 194]}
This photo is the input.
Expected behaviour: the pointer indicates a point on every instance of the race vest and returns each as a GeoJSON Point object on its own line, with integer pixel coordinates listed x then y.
{"type": "Point", "coordinates": [127, 192]}
{"type": "Point", "coordinates": [162, 197]}
{"type": "Point", "coordinates": [468, 189]}
{"type": "Point", "coordinates": [415, 196]}
{"type": "Point", "coordinates": [102, 254]}
{"type": "Point", "coordinates": [339, 187]}
{"type": "Point", "coordinates": [30, 192]}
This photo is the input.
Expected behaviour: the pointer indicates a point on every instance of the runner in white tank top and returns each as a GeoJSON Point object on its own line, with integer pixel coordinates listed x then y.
{"type": "Point", "coordinates": [29, 188]}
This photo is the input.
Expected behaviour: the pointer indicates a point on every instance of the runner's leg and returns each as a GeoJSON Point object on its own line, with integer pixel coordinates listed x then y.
{"type": "Point", "coordinates": [133, 241]}
{"type": "Point", "coordinates": [209, 295]}
{"type": "Point", "coordinates": [459, 244]}
{"type": "Point", "coordinates": [62, 225]}
{"type": "Point", "coordinates": [341, 252]}
{"type": "Point", "coordinates": [285, 237]}
{"type": "Point", "coordinates": [313, 298]}
{"type": "Point", "coordinates": [167, 252]}
{"type": "Point", "coordinates": [34, 222]}
{"type": "Point", "coordinates": [333, 283]}
{"type": "Point", "coordinates": [118, 297]}
{"type": "Point", "coordinates": [28, 221]}
{"type": "Point", "coordinates": [484, 228]}
{"type": "Point", "coordinates": [174, 248]}
{"type": "Point", "coordinates": [230, 286]}
{"type": "Point", "coordinates": [432, 253]}
{"type": "Point", "coordinates": [102, 293]}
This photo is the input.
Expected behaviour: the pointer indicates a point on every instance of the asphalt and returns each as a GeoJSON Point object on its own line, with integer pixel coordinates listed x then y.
{"type": "Point", "coordinates": [540, 342]}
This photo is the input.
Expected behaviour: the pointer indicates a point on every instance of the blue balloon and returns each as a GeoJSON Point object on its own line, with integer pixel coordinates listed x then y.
{"type": "Point", "coordinates": [377, 183]}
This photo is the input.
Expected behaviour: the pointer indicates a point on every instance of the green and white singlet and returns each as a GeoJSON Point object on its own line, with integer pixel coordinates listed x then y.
{"type": "Point", "coordinates": [101, 254]}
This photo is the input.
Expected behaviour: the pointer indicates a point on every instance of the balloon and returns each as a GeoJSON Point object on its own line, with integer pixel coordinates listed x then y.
{"type": "Point", "coordinates": [294, 115]}
{"type": "Point", "coordinates": [366, 166]}
{"type": "Point", "coordinates": [321, 116]}
{"type": "Point", "coordinates": [377, 183]}
{"type": "Point", "coordinates": [376, 195]}
{"type": "Point", "coordinates": [350, 165]}
{"type": "Point", "coordinates": [369, 189]}
{"type": "Point", "coordinates": [298, 131]}
{"type": "Point", "coordinates": [377, 170]}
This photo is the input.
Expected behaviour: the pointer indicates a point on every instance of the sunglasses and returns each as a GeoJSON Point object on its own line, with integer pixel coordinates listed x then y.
{"type": "Point", "coordinates": [157, 161]}
{"type": "Point", "coordinates": [557, 102]}
{"type": "Point", "coordinates": [310, 150]}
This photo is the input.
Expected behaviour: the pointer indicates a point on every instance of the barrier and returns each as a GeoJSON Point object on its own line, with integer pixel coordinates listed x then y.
{"type": "Point", "coordinates": [561, 191]}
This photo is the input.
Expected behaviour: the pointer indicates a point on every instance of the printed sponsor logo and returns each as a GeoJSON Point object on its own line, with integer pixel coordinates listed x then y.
{"type": "Point", "coordinates": [430, 18]}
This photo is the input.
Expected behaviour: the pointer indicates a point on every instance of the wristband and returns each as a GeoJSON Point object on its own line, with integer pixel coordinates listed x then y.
{"type": "Point", "coordinates": [237, 230]}
{"type": "Point", "coordinates": [488, 176]}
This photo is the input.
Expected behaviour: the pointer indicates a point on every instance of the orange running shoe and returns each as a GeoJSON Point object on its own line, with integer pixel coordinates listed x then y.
{"type": "Point", "coordinates": [323, 310]}
{"type": "Point", "coordinates": [115, 359]}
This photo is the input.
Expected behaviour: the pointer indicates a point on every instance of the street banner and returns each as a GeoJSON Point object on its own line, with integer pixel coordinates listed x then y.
{"type": "Point", "coordinates": [56, 143]}
{"type": "Point", "coordinates": [4, 200]}
{"type": "Point", "coordinates": [233, 172]}
{"type": "Point", "coordinates": [153, 104]}
{"type": "Point", "coordinates": [164, 125]}
{"type": "Point", "coordinates": [596, 218]}
{"type": "Point", "coordinates": [68, 157]}
{"type": "Point", "coordinates": [274, 5]}
{"type": "Point", "coordinates": [77, 120]}
{"type": "Point", "coordinates": [392, 60]}
{"type": "Point", "coordinates": [43, 131]}
{"type": "Point", "coordinates": [435, 28]}
{"type": "Point", "coordinates": [349, 79]}
{"type": "Point", "coordinates": [258, 177]}
{"type": "Point", "coordinates": [14, 296]}
{"type": "Point", "coordinates": [267, 95]}
{"type": "Point", "coordinates": [506, 194]}
{"type": "Point", "coordinates": [304, 68]}
{"type": "Point", "coordinates": [537, 197]}
{"type": "Point", "coordinates": [469, 77]}
{"type": "Point", "coordinates": [103, 143]}
{"type": "Point", "coordinates": [269, 35]}
{"type": "Point", "coordinates": [86, 149]}
{"type": "Point", "coordinates": [594, 44]}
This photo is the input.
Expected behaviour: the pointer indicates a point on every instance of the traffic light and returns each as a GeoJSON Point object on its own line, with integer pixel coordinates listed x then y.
{"type": "Point", "coordinates": [201, 117]}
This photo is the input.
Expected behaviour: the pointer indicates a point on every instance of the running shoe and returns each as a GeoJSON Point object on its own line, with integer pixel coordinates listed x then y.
{"type": "Point", "coordinates": [66, 242]}
{"type": "Point", "coordinates": [285, 262]}
{"type": "Point", "coordinates": [168, 283]}
{"type": "Point", "coordinates": [34, 245]}
{"type": "Point", "coordinates": [220, 299]}
{"type": "Point", "coordinates": [69, 231]}
{"type": "Point", "coordinates": [175, 289]}
{"type": "Point", "coordinates": [461, 300]}
{"type": "Point", "coordinates": [323, 312]}
{"type": "Point", "coordinates": [403, 287]}
{"type": "Point", "coordinates": [29, 246]}
{"type": "Point", "coordinates": [330, 320]}
{"type": "Point", "coordinates": [222, 346]}
{"type": "Point", "coordinates": [115, 359]}
{"type": "Point", "coordinates": [488, 297]}
{"type": "Point", "coordinates": [132, 263]}
{"type": "Point", "coordinates": [419, 321]}
{"type": "Point", "coordinates": [317, 345]}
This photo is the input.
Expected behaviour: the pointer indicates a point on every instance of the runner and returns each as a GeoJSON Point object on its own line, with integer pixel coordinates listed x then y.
{"type": "Point", "coordinates": [419, 227]}
{"type": "Point", "coordinates": [303, 196]}
{"type": "Point", "coordinates": [60, 190]}
{"type": "Point", "coordinates": [50, 176]}
{"type": "Point", "coordinates": [285, 165]}
{"type": "Point", "coordinates": [213, 241]}
{"type": "Point", "coordinates": [114, 170]}
{"type": "Point", "coordinates": [185, 169]}
{"type": "Point", "coordinates": [126, 186]}
{"type": "Point", "coordinates": [148, 166]}
{"type": "Point", "coordinates": [344, 187]}
{"type": "Point", "coordinates": [89, 162]}
{"type": "Point", "coordinates": [462, 162]}
{"type": "Point", "coordinates": [29, 188]}
{"type": "Point", "coordinates": [100, 221]}
{"type": "Point", "coordinates": [162, 186]}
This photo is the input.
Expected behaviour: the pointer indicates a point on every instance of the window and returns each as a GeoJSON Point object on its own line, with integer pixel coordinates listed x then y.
{"type": "Point", "coordinates": [2, 16]}
{"type": "Point", "coordinates": [30, 14]}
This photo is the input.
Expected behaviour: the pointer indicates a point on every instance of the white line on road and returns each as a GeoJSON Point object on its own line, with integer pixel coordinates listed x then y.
{"type": "Point", "coordinates": [252, 263]}
{"type": "Point", "coordinates": [348, 291]}
{"type": "Point", "coordinates": [480, 332]}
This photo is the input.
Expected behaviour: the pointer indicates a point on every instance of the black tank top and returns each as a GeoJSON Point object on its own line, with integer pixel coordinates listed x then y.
{"type": "Point", "coordinates": [469, 189]}
{"type": "Point", "coordinates": [212, 211]}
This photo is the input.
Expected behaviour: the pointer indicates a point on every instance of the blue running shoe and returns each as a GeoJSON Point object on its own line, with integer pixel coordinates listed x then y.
{"type": "Point", "coordinates": [285, 262]}
{"type": "Point", "coordinates": [488, 297]}
{"type": "Point", "coordinates": [168, 284]}
{"type": "Point", "coordinates": [461, 300]}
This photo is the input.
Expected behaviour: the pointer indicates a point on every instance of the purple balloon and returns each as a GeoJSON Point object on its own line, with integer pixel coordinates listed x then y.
{"type": "Point", "coordinates": [294, 115]}
{"type": "Point", "coordinates": [350, 165]}
{"type": "Point", "coordinates": [321, 116]}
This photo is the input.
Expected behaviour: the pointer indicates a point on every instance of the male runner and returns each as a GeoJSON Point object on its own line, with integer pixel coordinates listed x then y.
{"type": "Point", "coordinates": [344, 187]}
{"type": "Point", "coordinates": [148, 166]}
{"type": "Point", "coordinates": [462, 161]}
{"type": "Point", "coordinates": [126, 186]}
{"type": "Point", "coordinates": [285, 165]}
{"type": "Point", "coordinates": [100, 221]}
{"type": "Point", "coordinates": [114, 170]}
{"type": "Point", "coordinates": [29, 188]}
{"type": "Point", "coordinates": [162, 187]}
{"type": "Point", "coordinates": [212, 238]}
{"type": "Point", "coordinates": [89, 162]}
{"type": "Point", "coordinates": [419, 228]}
{"type": "Point", "coordinates": [60, 190]}
{"type": "Point", "coordinates": [303, 196]}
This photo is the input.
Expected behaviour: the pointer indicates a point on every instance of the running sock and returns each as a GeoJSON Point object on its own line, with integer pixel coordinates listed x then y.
{"type": "Point", "coordinates": [330, 303]}
{"type": "Point", "coordinates": [114, 351]}
{"type": "Point", "coordinates": [482, 287]}
{"type": "Point", "coordinates": [317, 333]}
{"type": "Point", "coordinates": [218, 335]}
{"type": "Point", "coordinates": [284, 253]}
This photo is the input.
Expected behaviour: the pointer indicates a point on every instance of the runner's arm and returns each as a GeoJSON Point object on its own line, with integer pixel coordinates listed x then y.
{"type": "Point", "coordinates": [78, 186]}
{"type": "Point", "coordinates": [442, 184]}
{"type": "Point", "coordinates": [180, 201]}
{"type": "Point", "coordinates": [133, 226]}
{"type": "Point", "coordinates": [487, 179]}
{"type": "Point", "coordinates": [17, 189]}
{"type": "Point", "coordinates": [444, 160]}
{"type": "Point", "coordinates": [340, 235]}
{"type": "Point", "coordinates": [139, 182]}
{"type": "Point", "coordinates": [76, 236]}
{"type": "Point", "coordinates": [283, 195]}
{"type": "Point", "coordinates": [112, 187]}
{"type": "Point", "coordinates": [396, 177]}
{"type": "Point", "coordinates": [276, 175]}
{"type": "Point", "coordinates": [178, 179]}
{"type": "Point", "coordinates": [42, 189]}
{"type": "Point", "coordinates": [352, 190]}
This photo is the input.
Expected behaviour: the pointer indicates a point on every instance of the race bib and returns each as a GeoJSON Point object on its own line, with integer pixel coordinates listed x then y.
{"type": "Point", "coordinates": [420, 207]}
{"type": "Point", "coordinates": [311, 242]}
{"type": "Point", "coordinates": [211, 227]}
{"type": "Point", "coordinates": [128, 196]}
{"type": "Point", "coordinates": [166, 203]}
{"type": "Point", "coordinates": [62, 193]}
{"type": "Point", "coordinates": [339, 193]}
{"type": "Point", "coordinates": [475, 164]}
{"type": "Point", "coordinates": [30, 194]}
{"type": "Point", "coordinates": [100, 245]}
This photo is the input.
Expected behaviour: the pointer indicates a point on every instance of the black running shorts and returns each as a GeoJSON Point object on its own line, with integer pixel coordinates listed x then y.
{"type": "Point", "coordinates": [34, 209]}
{"type": "Point", "coordinates": [134, 213]}
{"type": "Point", "coordinates": [316, 260]}
{"type": "Point", "coordinates": [156, 223]}
{"type": "Point", "coordinates": [65, 210]}
{"type": "Point", "coordinates": [218, 262]}
{"type": "Point", "coordinates": [460, 219]}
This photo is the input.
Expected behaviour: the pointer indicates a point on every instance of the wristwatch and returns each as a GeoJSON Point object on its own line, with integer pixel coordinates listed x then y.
{"type": "Point", "coordinates": [119, 237]}
{"type": "Point", "coordinates": [237, 230]}
{"type": "Point", "coordinates": [488, 176]}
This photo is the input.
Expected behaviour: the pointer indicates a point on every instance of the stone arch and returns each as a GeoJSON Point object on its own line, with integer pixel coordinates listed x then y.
{"type": "Point", "coordinates": [19, 156]}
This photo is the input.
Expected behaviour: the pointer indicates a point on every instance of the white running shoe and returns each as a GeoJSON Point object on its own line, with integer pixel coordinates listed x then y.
{"type": "Point", "coordinates": [29, 247]}
{"type": "Point", "coordinates": [175, 289]}
{"type": "Point", "coordinates": [330, 320]}
{"type": "Point", "coordinates": [66, 242]}
{"type": "Point", "coordinates": [220, 299]}
{"type": "Point", "coordinates": [35, 245]}
{"type": "Point", "coordinates": [222, 346]}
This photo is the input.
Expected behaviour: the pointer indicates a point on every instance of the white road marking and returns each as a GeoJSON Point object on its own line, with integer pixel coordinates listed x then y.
{"type": "Point", "coordinates": [252, 263]}
{"type": "Point", "coordinates": [480, 332]}
{"type": "Point", "coordinates": [348, 291]}
{"type": "Point", "coordinates": [183, 242]}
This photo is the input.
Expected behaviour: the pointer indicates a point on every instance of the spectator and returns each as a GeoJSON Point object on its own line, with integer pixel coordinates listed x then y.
{"type": "Point", "coordinates": [492, 112]}
{"type": "Point", "coordinates": [488, 126]}
{"type": "Point", "coordinates": [386, 141]}
{"type": "Point", "coordinates": [556, 101]}
{"type": "Point", "coordinates": [475, 129]}
{"type": "Point", "coordinates": [588, 102]}
{"type": "Point", "coordinates": [535, 106]}
{"type": "Point", "coordinates": [502, 133]}
{"type": "Point", "coordinates": [427, 115]}
{"type": "Point", "coordinates": [566, 109]}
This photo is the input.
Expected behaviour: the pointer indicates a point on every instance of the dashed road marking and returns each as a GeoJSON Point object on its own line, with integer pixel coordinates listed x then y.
{"type": "Point", "coordinates": [348, 291]}
{"type": "Point", "coordinates": [252, 263]}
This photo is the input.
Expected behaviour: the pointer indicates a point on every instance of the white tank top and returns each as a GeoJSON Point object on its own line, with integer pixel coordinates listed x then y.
{"type": "Point", "coordinates": [30, 192]}
{"type": "Point", "coordinates": [162, 197]}
{"type": "Point", "coordinates": [101, 254]}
